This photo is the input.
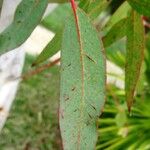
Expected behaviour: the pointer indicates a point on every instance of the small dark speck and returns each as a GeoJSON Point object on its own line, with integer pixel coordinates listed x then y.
{"type": "Point", "coordinates": [67, 98]}
{"type": "Point", "coordinates": [73, 88]}
{"type": "Point", "coordinates": [75, 110]}
{"type": "Point", "coordinates": [88, 123]}
{"type": "Point", "coordinates": [69, 65]}
{"type": "Point", "coordinates": [19, 21]}
{"type": "Point", "coordinates": [93, 107]}
{"type": "Point", "coordinates": [90, 116]}
{"type": "Point", "coordinates": [90, 58]}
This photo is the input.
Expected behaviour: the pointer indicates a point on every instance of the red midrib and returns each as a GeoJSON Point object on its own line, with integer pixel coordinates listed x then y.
{"type": "Point", "coordinates": [74, 8]}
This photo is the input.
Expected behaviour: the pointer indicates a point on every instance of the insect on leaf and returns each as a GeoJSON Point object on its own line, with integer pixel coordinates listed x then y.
{"type": "Point", "coordinates": [134, 54]}
{"type": "Point", "coordinates": [82, 94]}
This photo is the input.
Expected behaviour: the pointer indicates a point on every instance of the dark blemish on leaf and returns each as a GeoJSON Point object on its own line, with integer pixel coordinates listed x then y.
{"type": "Point", "coordinates": [93, 107]}
{"type": "Point", "coordinates": [66, 99]}
{"type": "Point", "coordinates": [87, 123]}
{"type": "Point", "coordinates": [75, 110]}
{"type": "Point", "coordinates": [73, 88]}
{"type": "Point", "coordinates": [19, 21]}
{"type": "Point", "coordinates": [69, 65]}
{"type": "Point", "coordinates": [90, 58]}
{"type": "Point", "coordinates": [90, 116]}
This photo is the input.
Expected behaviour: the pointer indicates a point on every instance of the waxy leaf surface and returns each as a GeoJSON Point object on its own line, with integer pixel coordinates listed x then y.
{"type": "Point", "coordinates": [27, 16]}
{"type": "Point", "coordinates": [82, 93]}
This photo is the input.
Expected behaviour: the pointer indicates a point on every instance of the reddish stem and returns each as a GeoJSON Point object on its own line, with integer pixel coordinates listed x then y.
{"type": "Point", "coordinates": [74, 7]}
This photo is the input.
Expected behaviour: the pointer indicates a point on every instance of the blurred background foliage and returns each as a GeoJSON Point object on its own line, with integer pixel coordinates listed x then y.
{"type": "Point", "coordinates": [33, 120]}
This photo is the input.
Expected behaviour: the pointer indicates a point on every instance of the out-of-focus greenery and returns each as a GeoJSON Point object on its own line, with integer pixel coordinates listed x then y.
{"type": "Point", "coordinates": [33, 121]}
{"type": "Point", "coordinates": [119, 130]}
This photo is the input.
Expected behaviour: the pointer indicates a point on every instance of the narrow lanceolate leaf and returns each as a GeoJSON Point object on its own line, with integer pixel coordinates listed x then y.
{"type": "Point", "coordinates": [96, 7]}
{"type": "Point", "coordinates": [141, 6]}
{"type": "Point", "coordinates": [27, 16]}
{"type": "Point", "coordinates": [52, 48]}
{"type": "Point", "coordinates": [134, 54]}
{"type": "Point", "coordinates": [82, 92]}
{"type": "Point", "coordinates": [117, 32]}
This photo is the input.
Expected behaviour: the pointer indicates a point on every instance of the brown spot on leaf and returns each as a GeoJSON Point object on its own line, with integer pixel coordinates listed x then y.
{"type": "Point", "coordinates": [93, 107]}
{"type": "Point", "coordinates": [89, 115]}
{"type": "Point", "coordinates": [75, 110]}
{"type": "Point", "coordinates": [73, 88]}
{"type": "Point", "coordinates": [90, 58]}
{"type": "Point", "coordinates": [69, 65]}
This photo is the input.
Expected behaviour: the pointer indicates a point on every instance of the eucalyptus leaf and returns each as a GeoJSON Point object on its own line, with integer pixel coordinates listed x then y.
{"type": "Point", "coordinates": [27, 17]}
{"type": "Point", "coordinates": [134, 54]}
{"type": "Point", "coordinates": [82, 93]}
{"type": "Point", "coordinates": [141, 6]}
{"type": "Point", "coordinates": [117, 32]}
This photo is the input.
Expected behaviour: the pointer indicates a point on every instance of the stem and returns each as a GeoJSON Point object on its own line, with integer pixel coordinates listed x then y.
{"type": "Point", "coordinates": [39, 69]}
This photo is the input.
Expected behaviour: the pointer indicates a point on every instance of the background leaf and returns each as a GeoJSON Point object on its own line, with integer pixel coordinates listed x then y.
{"type": "Point", "coordinates": [141, 6]}
{"type": "Point", "coordinates": [117, 32]}
{"type": "Point", "coordinates": [52, 48]}
{"type": "Point", "coordinates": [55, 20]}
{"type": "Point", "coordinates": [27, 16]}
{"type": "Point", "coordinates": [134, 54]}
{"type": "Point", "coordinates": [82, 94]}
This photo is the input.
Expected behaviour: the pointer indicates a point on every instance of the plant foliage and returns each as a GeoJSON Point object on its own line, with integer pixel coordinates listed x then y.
{"type": "Point", "coordinates": [89, 32]}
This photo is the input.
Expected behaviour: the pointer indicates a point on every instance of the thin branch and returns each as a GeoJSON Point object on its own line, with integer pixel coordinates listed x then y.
{"type": "Point", "coordinates": [39, 69]}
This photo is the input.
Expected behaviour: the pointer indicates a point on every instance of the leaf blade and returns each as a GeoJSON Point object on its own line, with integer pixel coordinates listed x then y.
{"type": "Point", "coordinates": [134, 54]}
{"type": "Point", "coordinates": [142, 7]}
{"type": "Point", "coordinates": [82, 84]}
{"type": "Point", "coordinates": [117, 32]}
{"type": "Point", "coordinates": [27, 16]}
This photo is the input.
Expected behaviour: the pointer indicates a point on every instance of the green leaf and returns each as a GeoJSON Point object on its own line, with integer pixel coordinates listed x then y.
{"type": "Point", "coordinates": [27, 16]}
{"type": "Point", "coordinates": [96, 7]}
{"type": "Point", "coordinates": [82, 94]}
{"type": "Point", "coordinates": [134, 54]}
{"type": "Point", "coordinates": [141, 6]}
{"type": "Point", "coordinates": [52, 48]}
{"type": "Point", "coordinates": [120, 13]}
{"type": "Point", "coordinates": [117, 32]}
